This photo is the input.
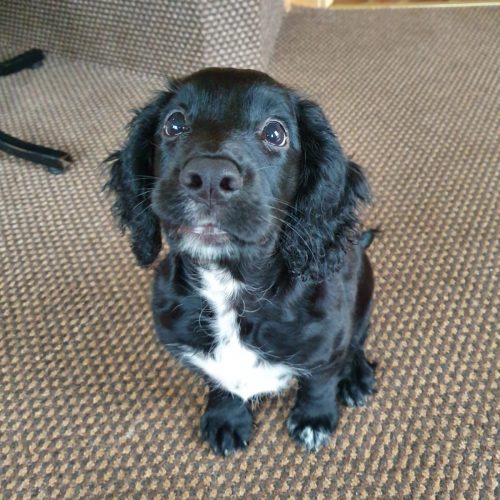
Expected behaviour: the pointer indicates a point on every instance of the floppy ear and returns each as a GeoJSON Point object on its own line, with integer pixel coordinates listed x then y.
{"type": "Point", "coordinates": [323, 219]}
{"type": "Point", "coordinates": [132, 179]}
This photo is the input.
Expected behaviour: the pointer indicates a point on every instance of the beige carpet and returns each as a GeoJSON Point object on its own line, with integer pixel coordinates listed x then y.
{"type": "Point", "coordinates": [92, 406]}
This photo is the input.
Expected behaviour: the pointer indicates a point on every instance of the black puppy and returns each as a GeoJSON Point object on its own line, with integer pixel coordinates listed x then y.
{"type": "Point", "coordinates": [266, 279]}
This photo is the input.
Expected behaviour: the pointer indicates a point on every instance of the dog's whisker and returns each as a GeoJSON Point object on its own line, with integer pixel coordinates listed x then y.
{"type": "Point", "coordinates": [294, 229]}
{"type": "Point", "coordinates": [147, 177]}
{"type": "Point", "coordinates": [145, 200]}
{"type": "Point", "coordinates": [135, 207]}
{"type": "Point", "coordinates": [146, 208]}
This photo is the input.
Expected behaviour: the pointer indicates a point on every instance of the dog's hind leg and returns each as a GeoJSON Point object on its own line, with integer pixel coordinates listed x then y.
{"type": "Point", "coordinates": [357, 381]}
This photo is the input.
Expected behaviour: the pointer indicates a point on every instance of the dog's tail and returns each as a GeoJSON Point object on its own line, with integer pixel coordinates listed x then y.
{"type": "Point", "coordinates": [366, 238]}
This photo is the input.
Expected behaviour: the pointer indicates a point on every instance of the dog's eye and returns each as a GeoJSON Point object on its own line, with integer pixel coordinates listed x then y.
{"type": "Point", "coordinates": [274, 133]}
{"type": "Point", "coordinates": [175, 124]}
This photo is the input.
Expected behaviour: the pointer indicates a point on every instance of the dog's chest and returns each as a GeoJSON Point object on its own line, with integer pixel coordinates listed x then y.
{"type": "Point", "coordinates": [231, 364]}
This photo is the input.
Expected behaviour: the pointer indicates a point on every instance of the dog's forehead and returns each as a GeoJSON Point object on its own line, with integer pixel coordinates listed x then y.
{"type": "Point", "coordinates": [226, 78]}
{"type": "Point", "coordinates": [238, 92]}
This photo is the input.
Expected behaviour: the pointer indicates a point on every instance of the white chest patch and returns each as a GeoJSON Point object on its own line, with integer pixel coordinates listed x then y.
{"type": "Point", "coordinates": [235, 367]}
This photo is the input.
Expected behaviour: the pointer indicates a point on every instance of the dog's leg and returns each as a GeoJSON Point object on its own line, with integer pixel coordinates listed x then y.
{"type": "Point", "coordinates": [227, 422]}
{"type": "Point", "coordinates": [357, 378]}
{"type": "Point", "coordinates": [357, 381]}
{"type": "Point", "coordinates": [315, 414]}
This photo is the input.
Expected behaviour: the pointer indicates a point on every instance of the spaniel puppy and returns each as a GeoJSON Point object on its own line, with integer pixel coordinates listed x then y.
{"type": "Point", "coordinates": [266, 279]}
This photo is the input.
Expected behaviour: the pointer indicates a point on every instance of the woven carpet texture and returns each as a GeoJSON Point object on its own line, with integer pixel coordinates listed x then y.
{"type": "Point", "coordinates": [178, 36]}
{"type": "Point", "coordinates": [91, 406]}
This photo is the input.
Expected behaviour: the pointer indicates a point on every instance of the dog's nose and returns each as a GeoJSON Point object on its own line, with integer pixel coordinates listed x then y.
{"type": "Point", "coordinates": [211, 180]}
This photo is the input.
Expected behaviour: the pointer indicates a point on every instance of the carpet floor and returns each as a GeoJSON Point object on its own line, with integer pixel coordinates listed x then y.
{"type": "Point", "coordinates": [92, 406]}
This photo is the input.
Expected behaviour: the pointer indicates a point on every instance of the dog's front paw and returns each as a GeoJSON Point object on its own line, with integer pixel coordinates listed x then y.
{"type": "Point", "coordinates": [355, 389]}
{"type": "Point", "coordinates": [227, 432]}
{"type": "Point", "coordinates": [311, 432]}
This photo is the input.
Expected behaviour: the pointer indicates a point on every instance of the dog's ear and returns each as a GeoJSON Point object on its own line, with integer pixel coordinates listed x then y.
{"type": "Point", "coordinates": [132, 179]}
{"type": "Point", "coordinates": [324, 215]}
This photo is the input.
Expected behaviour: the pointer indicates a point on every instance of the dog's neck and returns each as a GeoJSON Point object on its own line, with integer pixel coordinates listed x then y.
{"type": "Point", "coordinates": [263, 272]}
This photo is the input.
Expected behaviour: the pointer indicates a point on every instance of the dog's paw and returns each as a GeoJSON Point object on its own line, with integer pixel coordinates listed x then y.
{"type": "Point", "coordinates": [311, 432]}
{"type": "Point", "coordinates": [352, 393]}
{"type": "Point", "coordinates": [355, 389]}
{"type": "Point", "coordinates": [226, 433]}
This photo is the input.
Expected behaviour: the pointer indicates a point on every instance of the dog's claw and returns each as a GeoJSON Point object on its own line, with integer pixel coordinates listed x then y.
{"type": "Point", "coordinates": [225, 436]}
{"type": "Point", "coordinates": [359, 384]}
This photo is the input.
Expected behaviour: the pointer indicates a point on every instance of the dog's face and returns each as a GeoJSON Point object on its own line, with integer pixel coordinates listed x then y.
{"type": "Point", "coordinates": [230, 165]}
{"type": "Point", "coordinates": [227, 164]}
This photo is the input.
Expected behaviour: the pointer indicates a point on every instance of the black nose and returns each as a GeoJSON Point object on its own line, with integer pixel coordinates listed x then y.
{"type": "Point", "coordinates": [211, 180]}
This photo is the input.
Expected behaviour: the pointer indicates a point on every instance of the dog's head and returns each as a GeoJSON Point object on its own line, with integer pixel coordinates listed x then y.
{"type": "Point", "coordinates": [231, 164]}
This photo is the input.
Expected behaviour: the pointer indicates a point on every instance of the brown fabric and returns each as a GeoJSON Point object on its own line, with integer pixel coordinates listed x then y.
{"type": "Point", "coordinates": [91, 405]}
{"type": "Point", "coordinates": [173, 37]}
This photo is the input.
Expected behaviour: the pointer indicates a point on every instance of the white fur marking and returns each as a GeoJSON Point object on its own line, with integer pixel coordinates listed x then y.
{"type": "Point", "coordinates": [312, 439]}
{"type": "Point", "coordinates": [231, 364]}
{"type": "Point", "coordinates": [190, 244]}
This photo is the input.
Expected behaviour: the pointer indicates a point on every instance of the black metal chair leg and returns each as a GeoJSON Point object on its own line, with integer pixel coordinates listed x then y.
{"type": "Point", "coordinates": [31, 59]}
{"type": "Point", "coordinates": [54, 160]}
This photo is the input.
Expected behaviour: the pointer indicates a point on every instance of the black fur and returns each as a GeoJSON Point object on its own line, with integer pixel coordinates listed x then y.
{"type": "Point", "coordinates": [330, 189]}
{"type": "Point", "coordinates": [132, 180]}
{"type": "Point", "coordinates": [292, 239]}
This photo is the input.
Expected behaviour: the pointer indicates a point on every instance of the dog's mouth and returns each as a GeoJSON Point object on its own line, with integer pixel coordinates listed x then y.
{"type": "Point", "coordinates": [208, 234]}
